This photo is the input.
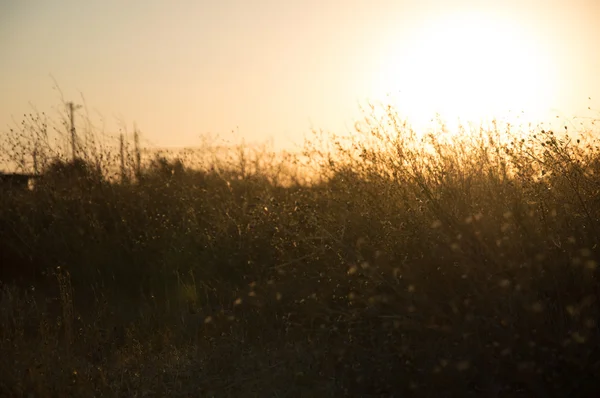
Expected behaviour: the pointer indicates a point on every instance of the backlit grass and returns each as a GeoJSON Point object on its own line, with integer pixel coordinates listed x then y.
{"type": "Point", "coordinates": [390, 264]}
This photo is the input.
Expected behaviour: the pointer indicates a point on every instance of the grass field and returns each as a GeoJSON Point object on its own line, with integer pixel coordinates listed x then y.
{"type": "Point", "coordinates": [400, 265]}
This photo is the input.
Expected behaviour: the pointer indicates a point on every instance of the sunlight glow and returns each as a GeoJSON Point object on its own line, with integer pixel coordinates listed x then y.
{"type": "Point", "coordinates": [471, 67]}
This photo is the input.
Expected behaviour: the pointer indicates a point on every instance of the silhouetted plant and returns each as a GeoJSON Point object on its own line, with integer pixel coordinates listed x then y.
{"type": "Point", "coordinates": [163, 169]}
{"type": "Point", "coordinates": [411, 266]}
{"type": "Point", "coordinates": [71, 174]}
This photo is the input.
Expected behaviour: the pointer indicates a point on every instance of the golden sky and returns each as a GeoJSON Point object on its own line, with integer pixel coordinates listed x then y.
{"type": "Point", "coordinates": [277, 68]}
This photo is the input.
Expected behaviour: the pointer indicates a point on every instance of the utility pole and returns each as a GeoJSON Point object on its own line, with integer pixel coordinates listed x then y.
{"type": "Point", "coordinates": [71, 108]}
{"type": "Point", "coordinates": [122, 152]}
{"type": "Point", "coordinates": [35, 158]}
{"type": "Point", "coordinates": [138, 156]}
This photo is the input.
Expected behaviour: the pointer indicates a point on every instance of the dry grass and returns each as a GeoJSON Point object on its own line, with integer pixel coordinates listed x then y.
{"type": "Point", "coordinates": [404, 266]}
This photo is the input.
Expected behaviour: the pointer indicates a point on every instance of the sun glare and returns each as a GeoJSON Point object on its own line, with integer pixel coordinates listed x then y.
{"type": "Point", "coordinates": [469, 67]}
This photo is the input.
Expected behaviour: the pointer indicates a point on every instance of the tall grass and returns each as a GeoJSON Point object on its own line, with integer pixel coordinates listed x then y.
{"type": "Point", "coordinates": [389, 264]}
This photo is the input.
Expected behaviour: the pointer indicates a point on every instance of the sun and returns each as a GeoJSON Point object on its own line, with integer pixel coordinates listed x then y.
{"type": "Point", "coordinates": [471, 67]}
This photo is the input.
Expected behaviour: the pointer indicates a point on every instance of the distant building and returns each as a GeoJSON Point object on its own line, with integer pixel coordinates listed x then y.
{"type": "Point", "coordinates": [16, 181]}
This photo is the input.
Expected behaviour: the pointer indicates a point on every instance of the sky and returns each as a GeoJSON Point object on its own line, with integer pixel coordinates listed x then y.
{"type": "Point", "coordinates": [275, 69]}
